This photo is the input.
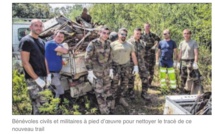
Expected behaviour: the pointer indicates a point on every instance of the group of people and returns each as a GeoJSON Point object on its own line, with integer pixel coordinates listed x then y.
{"type": "Point", "coordinates": [42, 63]}
{"type": "Point", "coordinates": [111, 62]}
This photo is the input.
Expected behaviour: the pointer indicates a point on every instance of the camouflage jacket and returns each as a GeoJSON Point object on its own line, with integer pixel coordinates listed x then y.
{"type": "Point", "coordinates": [98, 55]}
{"type": "Point", "coordinates": [139, 47]}
{"type": "Point", "coordinates": [150, 39]}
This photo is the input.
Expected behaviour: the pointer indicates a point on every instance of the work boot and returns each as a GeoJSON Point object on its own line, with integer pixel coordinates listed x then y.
{"type": "Point", "coordinates": [123, 102]}
{"type": "Point", "coordinates": [145, 96]}
{"type": "Point", "coordinates": [112, 111]}
{"type": "Point", "coordinates": [131, 95]}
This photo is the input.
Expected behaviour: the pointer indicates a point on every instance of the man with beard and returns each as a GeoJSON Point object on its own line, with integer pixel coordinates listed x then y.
{"type": "Point", "coordinates": [34, 63]}
{"type": "Point", "coordinates": [121, 52]}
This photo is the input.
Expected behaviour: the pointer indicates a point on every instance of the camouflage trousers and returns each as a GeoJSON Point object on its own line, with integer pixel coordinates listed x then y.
{"type": "Point", "coordinates": [56, 83]}
{"type": "Point", "coordinates": [144, 74]}
{"type": "Point", "coordinates": [121, 79]}
{"type": "Point", "coordinates": [190, 78]}
{"type": "Point", "coordinates": [103, 92]}
{"type": "Point", "coordinates": [36, 99]}
{"type": "Point", "coordinates": [150, 63]}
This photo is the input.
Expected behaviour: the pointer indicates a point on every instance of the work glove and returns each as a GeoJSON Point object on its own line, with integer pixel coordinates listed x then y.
{"type": "Point", "coordinates": [157, 63]}
{"type": "Point", "coordinates": [154, 47]}
{"type": "Point", "coordinates": [48, 80]}
{"type": "Point", "coordinates": [111, 73]}
{"type": "Point", "coordinates": [174, 63]}
{"type": "Point", "coordinates": [195, 66]}
{"type": "Point", "coordinates": [40, 82]}
{"type": "Point", "coordinates": [178, 65]}
{"type": "Point", "coordinates": [91, 76]}
{"type": "Point", "coordinates": [136, 70]}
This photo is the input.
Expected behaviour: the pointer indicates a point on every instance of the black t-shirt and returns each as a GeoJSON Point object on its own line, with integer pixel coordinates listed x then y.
{"type": "Point", "coordinates": [36, 49]}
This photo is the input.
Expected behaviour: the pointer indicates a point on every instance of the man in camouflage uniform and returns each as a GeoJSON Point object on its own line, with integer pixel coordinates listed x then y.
{"type": "Point", "coordinates": [139, 47]}
{"type": "Point", "coordinates": [121, 51]}
{"type": "Point", "coordinates": [151, 41]}
{"type": "Point", "coordinates": [99, 65]}
{"type": "Point", "coordinates": [188, 58]}
{"type": "Point", "coordinates": [35, 65]}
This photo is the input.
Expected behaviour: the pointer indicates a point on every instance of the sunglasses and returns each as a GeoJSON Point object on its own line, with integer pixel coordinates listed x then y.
{"type": "Point", "coordinates": [105, 33]}
{"type": "Point", "coordinates": [123, 34]}
{"type": "Point", "coordinates": [186, 33]}
{"type": "Point", "coordinates": [165, 33]}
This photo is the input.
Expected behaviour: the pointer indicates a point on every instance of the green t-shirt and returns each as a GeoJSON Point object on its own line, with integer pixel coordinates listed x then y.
{"type": "Point", "coordinates": [121, 52]}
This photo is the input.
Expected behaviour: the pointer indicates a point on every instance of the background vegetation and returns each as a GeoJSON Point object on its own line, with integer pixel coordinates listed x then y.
{"type": "Point", "coordinates": [176, 17]}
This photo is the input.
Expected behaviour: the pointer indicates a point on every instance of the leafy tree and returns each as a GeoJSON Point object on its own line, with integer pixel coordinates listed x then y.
{"type": "Point", "coordinates": [176, 17]}
{"type": "Point", "coordinates": [31, 10]}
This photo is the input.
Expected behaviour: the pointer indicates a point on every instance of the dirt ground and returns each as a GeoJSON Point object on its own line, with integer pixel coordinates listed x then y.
{"type": "Point", "coordinates": [141, 107]}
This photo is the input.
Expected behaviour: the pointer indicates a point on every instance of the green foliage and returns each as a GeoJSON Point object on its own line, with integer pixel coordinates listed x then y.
{"type": "Point", "coordinates": [31, 10]}
{"type": "Point", "coordinates": [21, 103]}
{"type": "Point", "coordinates": [175, 17]}
{"type": "Point", "coordinates": [50, 106]}
{"type": "Point", "coordinates": [205, 66]}
{"type": "Point", "coordinates": [74, 11]}
{"type": "Point", "coordinates": [76, 112]}
{"type": "Point", "coordinates": [65, 108]}
{"type": "Point", "coordinates": [94, 110]}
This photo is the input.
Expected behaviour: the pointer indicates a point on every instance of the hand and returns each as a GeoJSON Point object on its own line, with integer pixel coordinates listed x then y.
{"type": "Point", "coordinates": [91, 76]}
{"type": "Point", "coordinates": [195, 66]}
{"type": "Point", "coordinates": [175, 64]}
{"type": "Point", "coordinates": [157, 63]}
{"type": "Point", "coordinates": [59, 53]}
{"type": "Point", "coordinates": [48, 80]}
{"type": "Point", "coordinates": [40, 82]}
{"type": "Point", "coordinates": [154, 47]}
{"type": "Point", "coordinates": [136, 70]}
{"type": "Point", "coordinates": [111, 73]}
{"type": "Point", "coordinates": [178, 65]}
{"type": "Point", "coordinates": [65, 45]}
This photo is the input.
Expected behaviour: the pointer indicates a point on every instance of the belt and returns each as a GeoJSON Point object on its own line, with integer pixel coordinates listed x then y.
{"type": "Point", "coordinates": [187, 60]}
{"type": "Point", "coordinates": [54, 71]}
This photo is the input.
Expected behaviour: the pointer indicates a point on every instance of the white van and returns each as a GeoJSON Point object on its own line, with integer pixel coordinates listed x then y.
{"type": "Point", "coordinates": [20, 29]}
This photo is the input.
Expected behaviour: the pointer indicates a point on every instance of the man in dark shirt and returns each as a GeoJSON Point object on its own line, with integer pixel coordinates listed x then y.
{"type": "Point", "coordinates": [164, 57]}
{"type": "Point", "coordinates": [34, 64]}
{"type": "Point", "coordinates": [84, 16]}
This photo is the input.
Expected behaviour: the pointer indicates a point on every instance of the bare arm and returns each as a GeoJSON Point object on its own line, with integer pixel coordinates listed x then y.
{"type": "Point", "coordinates": [196, 55]}
{"type": "Point", "coordinates": [47, 69]}
{"type": "Point", "coordinates": [158, 55]}
{"type": "Point", "coordinates": [179, 55]}
{"type": "Point", "coordinates": [175, 54]}
{"type": "Point", "coordinates": [25, 62]}
{"type": "Point", "coordinates": [134, 58]}
{"type": "Point", "coordinates": [61, 50]}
